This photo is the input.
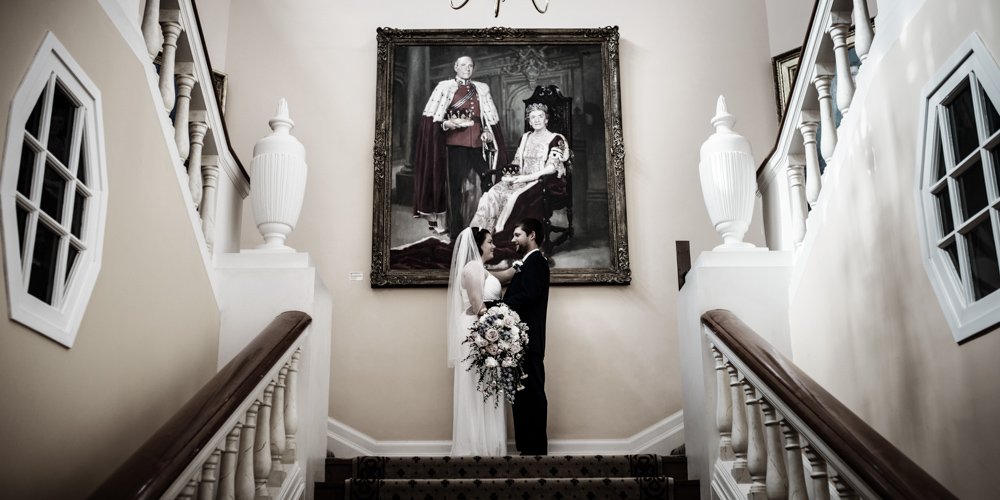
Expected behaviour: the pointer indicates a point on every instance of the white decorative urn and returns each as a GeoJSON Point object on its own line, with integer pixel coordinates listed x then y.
{"type": "Point", "coordinates": [728, 180]}
{"type": "Point", "coordinates": [277, 181]}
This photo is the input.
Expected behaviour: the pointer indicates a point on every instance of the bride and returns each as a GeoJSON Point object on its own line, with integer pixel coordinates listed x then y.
{"type": "Point", "coordinates": [478, 428]}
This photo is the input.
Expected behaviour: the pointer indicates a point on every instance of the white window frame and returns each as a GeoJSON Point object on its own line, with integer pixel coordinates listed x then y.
{"type": "Point", "coordinates": [966, 316]}
{"type": "Point", "coordinates": [60, 321]}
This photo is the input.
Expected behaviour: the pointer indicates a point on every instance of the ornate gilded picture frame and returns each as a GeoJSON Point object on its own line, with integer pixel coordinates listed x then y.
{"type": "Point", "coordinates": [423, 167]}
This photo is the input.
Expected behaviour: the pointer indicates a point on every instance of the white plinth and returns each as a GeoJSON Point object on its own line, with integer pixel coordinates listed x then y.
{"type": "Point", "coordinates": [255, 287]}
{"type": "Point", "coordinates": [754, 286]}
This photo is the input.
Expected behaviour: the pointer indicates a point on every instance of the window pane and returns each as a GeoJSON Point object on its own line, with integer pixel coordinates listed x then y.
{"type": "Point", "coordinates": [73, 253]}
{"type": "Point", "coordinates": [53, 192]}
{"type": "Point", "coordinates": [79, 206]}
{"type": "Point", "coordinates": [939, 167]}
{"type": "Point", "coordinates": [944, 205]}
{"type": "Point", "coordinates": [81, 171]}
{"type": "Point", "coordinates": [963, 123]}
{"type": "Point", "coordinates": [22, 224]}
{"type": "Point", "coordinates": [952, 250]}
{"type": "Point", "coordinates": [61, 127]}
{"type": "Point", "coordinates": [43, 264]}
{"type": "Point", "coordinates": [992, 118]}
{"type": "Point", "coordinates": [983, 258]}
{"type": "Point", "coordinates": [26, 171]}
{"type": "Point", "coordinates": [35, 118]}
{"type": "Point", "coordinates": [972, 185]}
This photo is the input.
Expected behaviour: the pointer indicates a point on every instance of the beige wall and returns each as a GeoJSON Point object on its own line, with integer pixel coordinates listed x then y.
{"type": "Point", "coordinates": [149, 338]}
{"type": "Point", "coordinates": [865, 320]}
{"type": "Point", "coordinates": [612, 358]}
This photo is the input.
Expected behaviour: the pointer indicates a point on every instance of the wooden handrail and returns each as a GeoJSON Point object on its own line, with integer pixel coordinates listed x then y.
{"type": "Point", "coordinates": [150, 471]}
{"type": "Point", "coordinates": [879, 464]}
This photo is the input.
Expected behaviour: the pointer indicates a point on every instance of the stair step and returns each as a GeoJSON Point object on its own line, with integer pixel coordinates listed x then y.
{"type": "Point", "coordinates": [647, 465]}
{"type": "Point", "coordinates": [523, 488]}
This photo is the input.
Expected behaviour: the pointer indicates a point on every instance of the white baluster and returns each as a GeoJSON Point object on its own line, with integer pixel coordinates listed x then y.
{"type": "Point", "coordinates": [182, 111]}
{"type": "Point", "coordinates": [756, 447]}
{"type": "Point", "coordinates": [170, 23]}
{"type": "Point", "coordinates": [863, 33]}
{"type": "Point", "coordinates": [244, 468]}
{"type": "Point", "coordinates": [207, 486]}
{"type": "Point", "coordinates": [198, 130]}
{"type": "Point", "coordinates": [723, 407]}
{"type": "Point", "coordinates": [210, 177]}
{"type": "Point", "coordinates": [828, 127]}
{"type": "Point", "coordinates": [278, 429]}
{"type": "Point", "coordinates": [820, 488]}
{"type": "Point", "coordinates": [839, 25]}
{"type": "Point", "coordinates": [844, 490]}
{"type": "Point", "coordinates": [262, 445]}
{"type": "Point", "coordinates": [227, 469]}
{"type": "Point", "coordinates": [793, 462]}
{"type": "Point", "coordinates": [814, 183]}
{"type": "Point", "coordinates": [189, 490]}
{"type": "Point", "coordinates": [777, 479]}
{"type": "Point", "coordinates": [151, 28]}
{"type": "Point", "coordinates": [291, 408]}
{"type": "Point", "coordinates": [797, 197]}
{"type": "Point", "coordinates": [740, 472]}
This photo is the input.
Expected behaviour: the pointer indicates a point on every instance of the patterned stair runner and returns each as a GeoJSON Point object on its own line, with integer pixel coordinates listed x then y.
{"type": "Point", "coordinates": [535, 477]}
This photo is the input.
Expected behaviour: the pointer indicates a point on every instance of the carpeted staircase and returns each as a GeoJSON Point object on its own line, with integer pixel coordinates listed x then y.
{"type": "Point", "coordinates": [532, 477]}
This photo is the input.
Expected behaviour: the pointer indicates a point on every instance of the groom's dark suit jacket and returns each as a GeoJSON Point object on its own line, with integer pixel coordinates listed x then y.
{"type": "Point", "coordinates": [528, 296]}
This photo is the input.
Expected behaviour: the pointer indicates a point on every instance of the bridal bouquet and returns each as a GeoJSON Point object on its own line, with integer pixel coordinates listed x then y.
{"type": "Point", "coordinates": [497, 341]}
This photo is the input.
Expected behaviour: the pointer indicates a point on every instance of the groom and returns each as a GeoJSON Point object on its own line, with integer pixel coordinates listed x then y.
{"type": "Point", "coordinates": [528, 295]}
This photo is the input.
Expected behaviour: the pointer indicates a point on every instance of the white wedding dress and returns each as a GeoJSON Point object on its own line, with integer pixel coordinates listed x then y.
{"type": "Point", "coordinates": [478, 428]}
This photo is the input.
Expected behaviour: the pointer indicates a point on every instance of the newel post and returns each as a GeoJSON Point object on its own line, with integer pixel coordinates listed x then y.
{"type": "Point", "coordinates": [277, 181]}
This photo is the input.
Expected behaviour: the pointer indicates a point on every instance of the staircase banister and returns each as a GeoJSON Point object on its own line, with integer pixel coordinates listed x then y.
{"type": "Point", "coordinates": [883, 468]}
{"type": "Point", "coordinates": [807, 55]}
{"type": "Point", "coordinates": [152, 469]}
{"type": "Point", "coordinates": [200, 50]}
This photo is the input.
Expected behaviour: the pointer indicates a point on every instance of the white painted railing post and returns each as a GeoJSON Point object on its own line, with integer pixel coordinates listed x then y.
{"type": "Point", "coordinates": [195, 181]}
{"type": "Point", "coordinates": [777, 478]}
{"type": "Point", "coordinates": [844, 490]}
{"type": "Point", "coordinates": [189, 490]}
{"type": "Point", "coordinates": [740, 471]}
{"type": "Point", "coordinates": [828, 126]}
{"type": "Point", "coordinates": [170, 23]}
{"type": "Point", "coordinates": [797, 197]}
{"type": "Point", "coordinates": [210, 177]}
{"type": "Point", "coordinates": [291, 407]}
{"type": "Point", "coordinates": [262, 446]}
{"type": "Point", "coordinates": [814, 183]}
{"type": "Point", "coordinates": [820, 487]}
{"type": "Point", "coordinates": [227, 468]}
{"type": "Point", "coordinates": [863, 33]}
{"type": "Point", "coordinates": [793, 461]}
{"type": "Point", "coordinates": [278, 428]}
{"type": "Point", "coordinates": [723, 407]}
{"type": "Point", "coordinates": [151, 32]}
{"type": "Point", "coordinates": [756, 447]}
{"type": "Point", "coordinates": [182, 110]}
{"type": "Point", "coordinates": [209, 477]}
{"type": "Point", "coordinates": [244, 468]}
{"type": "Point", "coordinates": [839, 26]}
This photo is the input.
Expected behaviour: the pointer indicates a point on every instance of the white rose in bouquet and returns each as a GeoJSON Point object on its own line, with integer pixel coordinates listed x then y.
{"type": "Point", "coordinates": [491, 362]}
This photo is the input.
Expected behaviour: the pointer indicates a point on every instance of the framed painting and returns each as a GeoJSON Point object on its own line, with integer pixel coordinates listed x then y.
{"type": "Point", "coordinates": [489, 127]}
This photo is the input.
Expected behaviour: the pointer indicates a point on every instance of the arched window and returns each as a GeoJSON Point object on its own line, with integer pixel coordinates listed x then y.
{"type": "Point", "coordinates": [960, 189]}
{"type": "Point", "coordinates": [53, 194]}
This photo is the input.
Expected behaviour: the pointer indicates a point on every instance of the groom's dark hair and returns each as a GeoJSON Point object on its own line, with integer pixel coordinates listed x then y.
{"type": "Point", "coordinates": [479, 235]}
{"type": "Point", "coordinates": [532, 225]}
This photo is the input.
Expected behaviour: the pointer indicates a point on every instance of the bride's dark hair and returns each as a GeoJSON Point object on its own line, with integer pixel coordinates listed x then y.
{"type": "Point", "coordinates": [479, 235]}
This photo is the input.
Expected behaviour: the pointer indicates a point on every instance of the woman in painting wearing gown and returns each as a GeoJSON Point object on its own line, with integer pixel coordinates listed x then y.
{"type": "Point", "coordinates": [541, 152]}
{"type": "Point", "coordinates": [478, 427]}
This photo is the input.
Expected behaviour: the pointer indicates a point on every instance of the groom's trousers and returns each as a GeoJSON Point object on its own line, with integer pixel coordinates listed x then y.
{"type": "Point", "coordinates": [531, 409]}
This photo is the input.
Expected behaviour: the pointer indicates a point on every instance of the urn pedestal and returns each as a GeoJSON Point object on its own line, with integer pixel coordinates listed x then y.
{"type": "Point", "coordinates": [277, 182]}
